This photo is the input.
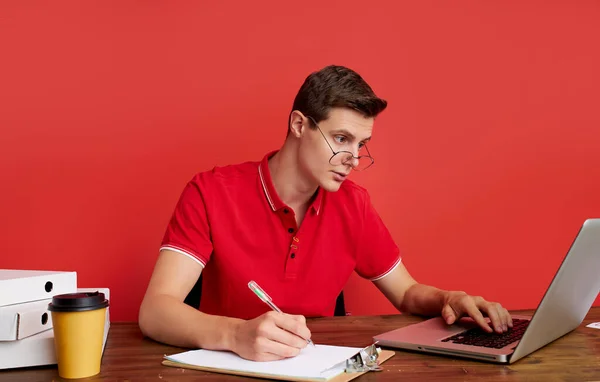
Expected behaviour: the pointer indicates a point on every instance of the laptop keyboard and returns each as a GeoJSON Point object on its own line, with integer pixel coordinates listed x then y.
{"type": "Point", "coordinates": [478, 337]}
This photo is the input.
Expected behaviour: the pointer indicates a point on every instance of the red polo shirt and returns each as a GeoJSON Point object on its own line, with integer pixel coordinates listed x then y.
{"type": "Point", "coordinates": [232, 221]}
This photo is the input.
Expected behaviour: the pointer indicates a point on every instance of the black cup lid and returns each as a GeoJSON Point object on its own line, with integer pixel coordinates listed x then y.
{"type": "Point", "coordinates": [78, 302]}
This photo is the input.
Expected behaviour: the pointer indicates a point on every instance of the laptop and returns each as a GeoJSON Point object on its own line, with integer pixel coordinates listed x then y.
{"type": "Point", "coordinates": [565, 304]}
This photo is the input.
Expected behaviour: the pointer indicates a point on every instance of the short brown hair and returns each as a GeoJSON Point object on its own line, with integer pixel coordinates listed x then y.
{"type": "Point", "coordinates": [336, 86]}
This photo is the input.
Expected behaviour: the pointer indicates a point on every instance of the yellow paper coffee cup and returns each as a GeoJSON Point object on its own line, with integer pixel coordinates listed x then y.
{"type": "Point", "coordinates": [78, 321]}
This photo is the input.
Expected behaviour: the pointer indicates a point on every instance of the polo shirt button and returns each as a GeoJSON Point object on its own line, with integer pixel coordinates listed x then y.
{"type": "Point", "coordinates": [285, 210]}
{"type": "Point", "coordinates": [293, 255]}
{"type": "Point", "coordinates": [290, 230]}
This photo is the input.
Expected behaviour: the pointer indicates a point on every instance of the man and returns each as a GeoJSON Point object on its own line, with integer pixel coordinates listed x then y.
{"type": "Point", "coordinates": [295, 225]}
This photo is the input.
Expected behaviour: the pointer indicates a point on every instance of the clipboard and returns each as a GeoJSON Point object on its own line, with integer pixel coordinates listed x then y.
{"type": "Point", "coordinates": [384, 355]}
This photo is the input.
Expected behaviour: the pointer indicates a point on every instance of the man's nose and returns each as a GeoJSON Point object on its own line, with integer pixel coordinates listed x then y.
{"type": "Point", "coordinates": [352, 161]}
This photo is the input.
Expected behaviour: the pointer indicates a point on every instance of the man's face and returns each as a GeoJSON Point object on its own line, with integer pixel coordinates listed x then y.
{"type": "Point", "coordinates": [345, 130]}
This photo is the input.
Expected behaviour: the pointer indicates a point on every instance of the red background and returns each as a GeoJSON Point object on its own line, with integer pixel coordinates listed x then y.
{"type": "Point", "coordinates": [487, 159]}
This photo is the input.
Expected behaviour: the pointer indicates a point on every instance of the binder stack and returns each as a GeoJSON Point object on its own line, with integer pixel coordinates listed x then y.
{"type": "Point", "coordinates": [26, 335]}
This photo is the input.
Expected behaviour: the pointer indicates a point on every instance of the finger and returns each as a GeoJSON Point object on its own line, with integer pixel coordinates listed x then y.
{"type": "Point", "coordinates": [277, 349]}
{"type": "Point", "coordinates": [503, 315]}
{"type": "Point", "coordinates": [270, 350]}
{"type": "Point", "coordinates": [294, 326]}
{"type": "Point", "coordinates": [490, 309]}
{"type": "Point", "coordinates": [285, 337]}
{"type": "Point", "coordinates": [279, 327]}
{"type": "Point", "coordinates": [448, 314]}
{"type": "Point", "coordinates": [473, 311]}
{"type": "Point", "coordinates": [298, 318]}
{"type": "Point", "coordinates": [302, 320]}
{"type": "Point", "coordinates": [507, 318]}
{"type": "Point", "coordinates": [501, 318]}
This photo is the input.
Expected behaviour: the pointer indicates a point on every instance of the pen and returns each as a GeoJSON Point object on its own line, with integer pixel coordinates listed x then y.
{"type": "Point", "coordinates": [267, 300]}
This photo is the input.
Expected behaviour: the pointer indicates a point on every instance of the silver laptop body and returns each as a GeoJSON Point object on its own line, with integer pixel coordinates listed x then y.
{"type": "Point", "coordinates": [565, 304]}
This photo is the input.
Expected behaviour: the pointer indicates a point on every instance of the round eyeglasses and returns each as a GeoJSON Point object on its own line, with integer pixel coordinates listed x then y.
{"type": "Point", "coordinates": [359, 163]}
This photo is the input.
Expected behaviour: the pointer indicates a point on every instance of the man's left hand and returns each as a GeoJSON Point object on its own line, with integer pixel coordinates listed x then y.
{"type": "Point", "coordinates": [459, 304]}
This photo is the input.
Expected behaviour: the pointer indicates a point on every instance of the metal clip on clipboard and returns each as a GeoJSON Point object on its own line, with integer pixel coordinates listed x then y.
{"type": "Point", "coordinates": [364, 360]}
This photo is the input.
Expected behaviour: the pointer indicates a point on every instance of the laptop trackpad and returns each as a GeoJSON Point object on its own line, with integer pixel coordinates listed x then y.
{"type": "Point", "coordinates": [427, 331]}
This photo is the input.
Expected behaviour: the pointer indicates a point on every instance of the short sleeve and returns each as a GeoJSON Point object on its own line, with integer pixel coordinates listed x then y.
{"type": "Point", "coordinates": [377, 253]}
{"type": "Point", "coordinates": [188, 231]}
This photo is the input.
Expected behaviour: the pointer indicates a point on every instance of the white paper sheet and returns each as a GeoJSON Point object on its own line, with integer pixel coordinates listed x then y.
{"type": "Point", "coordinates": [316, 362]}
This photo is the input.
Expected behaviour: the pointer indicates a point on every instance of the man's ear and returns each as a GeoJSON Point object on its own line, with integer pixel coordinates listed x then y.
{"type": "Point", "coordinates": [297, 123]}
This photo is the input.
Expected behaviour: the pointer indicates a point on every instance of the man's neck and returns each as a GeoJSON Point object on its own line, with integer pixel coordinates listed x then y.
{"type": "Point", "coordinates": [293, 189]}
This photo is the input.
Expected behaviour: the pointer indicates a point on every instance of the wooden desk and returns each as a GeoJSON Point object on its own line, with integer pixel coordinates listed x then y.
{"type": "Point", "coordinates": [131, 357]}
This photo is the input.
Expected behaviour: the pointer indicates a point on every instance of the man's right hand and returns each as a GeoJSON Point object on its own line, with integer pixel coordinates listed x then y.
{"type": "Point", "coordinates": [270, 337]}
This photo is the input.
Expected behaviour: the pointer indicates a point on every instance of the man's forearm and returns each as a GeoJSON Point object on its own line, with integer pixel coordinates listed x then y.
{"type": "Point", "coordinates": [423, 300]}
{"type": "Point", "coordinates": [165, 319]}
